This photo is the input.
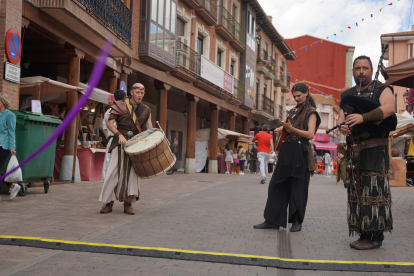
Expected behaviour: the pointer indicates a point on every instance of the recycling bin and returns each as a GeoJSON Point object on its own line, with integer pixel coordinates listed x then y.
{"type": "Point", "coordinates": [32, 130]}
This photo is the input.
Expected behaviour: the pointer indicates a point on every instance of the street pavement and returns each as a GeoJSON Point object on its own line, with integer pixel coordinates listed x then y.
{"type": "Point", "coordinates": [202, 212]}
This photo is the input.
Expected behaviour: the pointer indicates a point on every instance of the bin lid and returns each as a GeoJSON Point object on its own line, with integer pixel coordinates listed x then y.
{"type": "Point", "coordinates": [33, 116]}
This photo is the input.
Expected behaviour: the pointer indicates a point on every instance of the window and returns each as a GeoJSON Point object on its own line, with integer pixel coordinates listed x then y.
{"type": "Point", "coordinates": [163, 20]}
{"type": "Point", "coordinates": [176, 143]}
{"type": "Point", "coordinates": [257, 93]}
{"type": "Point", "coordinates": [266, 47]}
{"type": "Point", "coordinates": [410, 52]}
{"type": "Point", "coordinates": [200, 41]}
{"type": "Point", "coordinates": [251, 41]}
{"type": "Point", "coordinates": [232, 65]}
{"type": "Point", "coordinates": [234, 12]}
{"type": "Point", "coordinates": [264, 90]}
{"type": "Point", "coordinates": [180, 27]}
{"type": "Point", "coordinates": [219, 58]}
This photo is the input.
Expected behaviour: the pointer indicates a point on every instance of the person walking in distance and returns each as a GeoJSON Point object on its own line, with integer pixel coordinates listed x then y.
{"type": "Point", "coordinates": [119, 96]}
{"type": "Point", "coordinates": [242, 159]}
{"type": "Point", "coordinates": [7, 138]}
{"type": "Point", "coordinates": [264, 147]}
{"type": "Point", "coordinates": [253, 159]}
{"type": "Point", "coordinates": [228, 152]}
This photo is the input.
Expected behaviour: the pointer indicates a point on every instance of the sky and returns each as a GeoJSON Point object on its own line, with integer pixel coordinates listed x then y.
{"type": "Point", "coordinates": [323, 18]}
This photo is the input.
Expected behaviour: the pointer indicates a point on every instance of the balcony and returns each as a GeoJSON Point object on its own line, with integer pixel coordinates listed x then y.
{"type": "Point", "coordinates": [238, 92]}
{"type": "Point", "coordinates": [192, 4]}
{"type": "Point", "coordinates": [187, 62]}
{"type": "Point", "coordinates": [95, 20]}
{"type": "Point", "coordinates": [239, 37]}
{"type": "Point", "coordinates": [225, 24]}
{"type": "Point", "coordinates": [265, 65]}
{"type": "Point", "coordinates": [207, 11]}
{"type": "Point", "coordinates": [286, 85]}
{"type": "Point", "coordinates": [265, 108]}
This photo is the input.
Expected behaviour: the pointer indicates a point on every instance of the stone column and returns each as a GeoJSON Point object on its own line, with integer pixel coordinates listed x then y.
{"type": "Point", "coordinates": [212, 163]}
{"type": "Point", "coordinates": [66, 166]}
{"type": "Point", "coordinates": [232, 120]}
{"type": "Point", "coordinates": [245, 125]}
{"type": "Point", "coordinates": [191, 133]}
{"type": "Point", "coordinates": [162, 89]}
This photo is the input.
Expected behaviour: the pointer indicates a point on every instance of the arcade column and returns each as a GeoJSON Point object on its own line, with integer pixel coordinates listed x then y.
{"type": "Point", "coordinates": [212, 163]}
{"type": "Point", "coordinates": [162, 89]}
{"type": "Point", "coordinates": [191, 134]}
{"type": "Point", "coordinates": [70, 138]}
{"type": "Point", "coordinates": [232, 120]}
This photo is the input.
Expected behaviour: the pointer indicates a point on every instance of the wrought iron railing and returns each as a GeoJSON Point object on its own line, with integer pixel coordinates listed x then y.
{"type": "Point", "coordinates": [280, 112]}
{"type": "Point", "coordinates": [238, 89]}
{"type": "Point", "coordinates": [210, 5]}
{"type": "Point", "coordinates": [187, 58]}
{"type": "Point", "coordinates": [288, 82]}
{"type": "Point", "coordinates": [239, 33]}
{"type": "Point", "coordinates": [263, 55]}
{"type": "Point", "coordinates": [114, 14]}
{"type": "Point", "coordinates": [225, 19]}
{"type": "Point", "coordinates": [268, 105]}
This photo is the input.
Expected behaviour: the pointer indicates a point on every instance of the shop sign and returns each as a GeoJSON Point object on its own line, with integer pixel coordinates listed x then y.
{"type": "Point", "coordinates": [322, 138]}
{"type": "Point", "coordinates": [11, 72]}
{"type": "Point", "coordinates": [228, 82]}
{"type": "Point", "coordinates": [13, 46]}
{"type": "Point", "coordinates": [216, 75]}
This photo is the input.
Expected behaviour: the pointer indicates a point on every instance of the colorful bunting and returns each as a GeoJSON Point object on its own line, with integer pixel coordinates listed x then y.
{"type": "Point", "coordinates": [356, 24]}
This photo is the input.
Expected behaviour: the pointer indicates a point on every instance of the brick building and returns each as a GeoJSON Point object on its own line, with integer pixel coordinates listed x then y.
{"type": "Point", "coordinates": [196, 58]}
{"type": "Point", "coordinates": [323, 65]}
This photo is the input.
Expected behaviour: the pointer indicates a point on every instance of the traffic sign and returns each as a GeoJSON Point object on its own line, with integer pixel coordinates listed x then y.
{"type": "Point", "coordinates": [13, 46]}
{"type": "Point", "coordinates": [122, 86]}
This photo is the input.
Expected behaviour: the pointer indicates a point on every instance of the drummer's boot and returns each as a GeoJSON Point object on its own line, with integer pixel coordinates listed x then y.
{"type": "Point", "coordinates": [107, 208]}
{"type": "Point", "coordinates": [128, 208]}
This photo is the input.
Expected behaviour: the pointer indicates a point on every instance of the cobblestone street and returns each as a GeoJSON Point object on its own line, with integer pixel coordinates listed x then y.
{"type": "Point", "coordinates": [211, 213]}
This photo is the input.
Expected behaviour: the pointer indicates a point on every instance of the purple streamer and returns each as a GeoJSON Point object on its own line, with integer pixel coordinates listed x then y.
{"type": "Point", "coordinates": [93, 82]}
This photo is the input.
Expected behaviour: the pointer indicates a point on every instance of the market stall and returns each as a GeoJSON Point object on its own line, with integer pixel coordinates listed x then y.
{"type": "Point", "coordinates": [401, 150]}
{"type": "Point", "coordinates": [52, 96]}
{"type": "Point", "coordinates": [224, 136]}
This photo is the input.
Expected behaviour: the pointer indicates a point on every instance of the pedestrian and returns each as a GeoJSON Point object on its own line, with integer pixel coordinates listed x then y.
{"type": "Point", "coordinates": [131, 117]}
{"type": "Point", "coordinates": [235, 160]}
{"type": "Point", "coordinates": [7, 138]}
{"type": "Point", "coordinates": [272, 161]}
{"type": "Point", "coordinates": [290, 181]}
{"type": "Point", "coordinates": [242, 159]}
{"type": "Point", "coordinates": [253, 159]}
{"type": "Point", "coordinates": [228, 159]}
{"type": "Point", "coordinates": [264, 147]}
{"type": "Point", "coordinates": [327, 161]}
{"type": "Point", "coordinates": [369, 197]}
{"type": "Point", "coordinates": [119, 96]}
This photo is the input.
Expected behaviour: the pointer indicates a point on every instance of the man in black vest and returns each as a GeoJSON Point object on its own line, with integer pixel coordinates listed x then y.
{"type": "Point", "coordinates": [369, 196]}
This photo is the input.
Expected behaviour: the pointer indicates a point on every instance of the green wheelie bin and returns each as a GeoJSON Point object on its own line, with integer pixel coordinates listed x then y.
{"type": "Point", "coordinates": [32, 130]}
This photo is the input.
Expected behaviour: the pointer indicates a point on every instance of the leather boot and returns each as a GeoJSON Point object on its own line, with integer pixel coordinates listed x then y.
{"type": "Point", "coordinates": [107, 208]}
{"type": "Point", "coordinates": [128, 208]}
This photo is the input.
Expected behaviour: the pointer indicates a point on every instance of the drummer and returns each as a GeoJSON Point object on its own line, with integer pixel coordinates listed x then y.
{"type": "Point", "coordinates": [121, 181]}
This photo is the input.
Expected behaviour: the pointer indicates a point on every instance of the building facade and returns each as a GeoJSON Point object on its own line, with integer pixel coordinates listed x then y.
{"type": "Point", "coordinates": [400, 48]}
{"type": "Point", "coordinates": [324, 65]}
{"type": "Point", "coordinates": [196, 58]}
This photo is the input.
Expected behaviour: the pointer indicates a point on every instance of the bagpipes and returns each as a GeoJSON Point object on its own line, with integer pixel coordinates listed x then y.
{"type": "Point", "coordinates": [354, 104]}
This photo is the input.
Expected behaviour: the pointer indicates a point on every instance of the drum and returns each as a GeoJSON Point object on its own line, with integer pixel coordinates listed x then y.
{"type": "Point", "coordinates": [150, 153]}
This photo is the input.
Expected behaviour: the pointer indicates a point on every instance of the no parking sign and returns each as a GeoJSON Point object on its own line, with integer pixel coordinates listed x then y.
{"type": "Point", "coordinates": [13, 46]}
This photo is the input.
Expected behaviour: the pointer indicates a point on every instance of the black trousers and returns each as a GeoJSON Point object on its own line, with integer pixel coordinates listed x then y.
{"type": "Point", "coordinates": [292, 193]}
{"type": "Point", "coordinates": [3, 157]}
{"type": "Point", "coordinates": [253, 165]}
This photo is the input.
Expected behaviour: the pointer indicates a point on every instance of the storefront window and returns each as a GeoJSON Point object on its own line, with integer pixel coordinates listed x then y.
{"type": "Point", "coordinates": [176, 143]}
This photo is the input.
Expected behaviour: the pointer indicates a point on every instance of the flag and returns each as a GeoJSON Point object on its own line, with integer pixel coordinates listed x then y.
{"type": "Point", "coordinates": [390, 4]}
{"type": "Point", "coordinates": [349, 27]}
{"type": "Point", "coordinates": [362, 19]}
{"type": "Point", "coordinates": [381, 9]}
{"type": "Point", "coordinates": [372, 15]}
{"type": "Point", "coordinates": [334, 34]}
{"type": "Point", "coordinates": [306, 48]}
{"type": "Point", "coordinates": [356, 24]}
{"type": "Point", "coordinates": [321, 41]}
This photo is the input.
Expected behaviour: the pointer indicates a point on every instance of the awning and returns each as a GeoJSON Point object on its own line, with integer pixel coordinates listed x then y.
{"type": "Point", "coordinates": [204, 134]}
{"type": "Point", "coordinates": [325, 146]}
{"type": "Point", "coordinates": [402, 74]}
{"type": "Point", "coordinates": [31, 86]}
